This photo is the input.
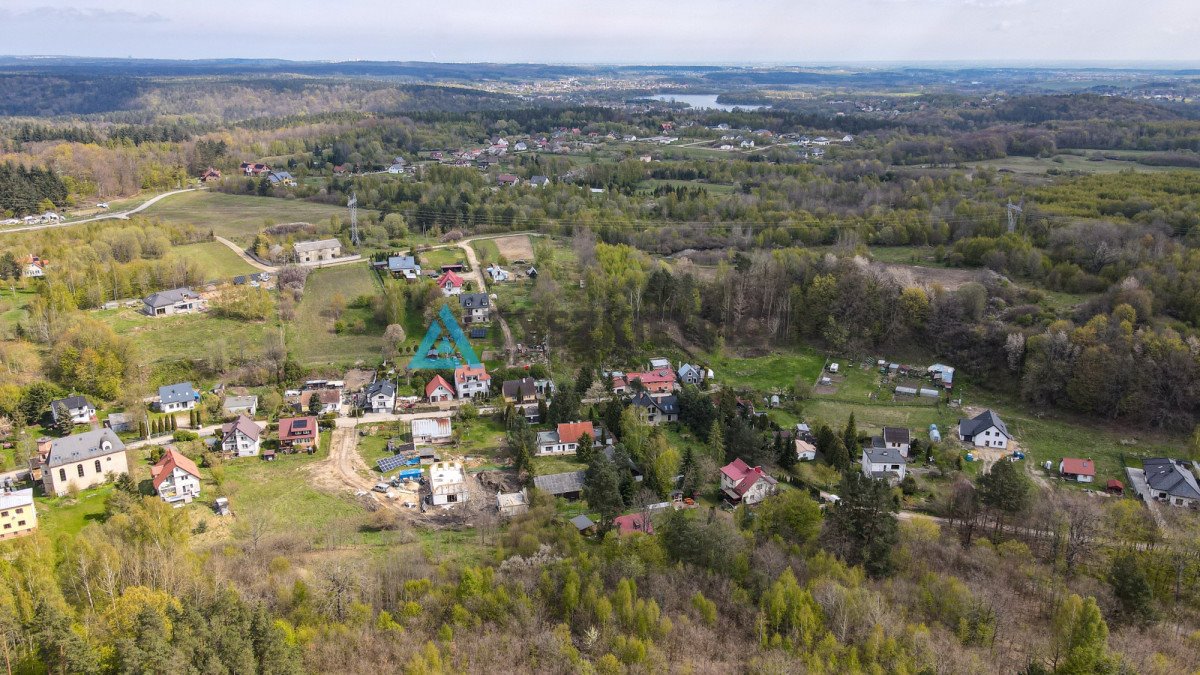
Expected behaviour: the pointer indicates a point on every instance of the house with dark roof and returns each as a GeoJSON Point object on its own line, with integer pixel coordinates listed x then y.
{"type": "Point", "coordinates": [583, 524]}
{"type": "Point", "coordinates": [539, 181]}
{"type": "Point", "coordinates": [174, 301]}
{"type": "Point", "coordinates": [897, 438]}
{"type": "Point", "coordinates": [380, 396]}
{"type": "Point", "coordinates": [565, 485]}
{"type": "Point", "coordinates": [240, 438]}
{"type": "Point", "coordinates": [1078, 470]}
{"type": "Point", "coordinates": [83, 460]}
{"type": "Point", "coordinates": [176, 478]}
{"type": "Point", "coordinates": [75, 408]}
{"type": "Point", "coordinates": [743, 484]}
{"type": "Point", "coordinates": [985, 430]}
{"type": "Point", "coordinates": [477, 307]}
{"type": "Point", "coordinates": [1170, 481]}
{"type": "Point", "coordinates": [281, 178]}
{"type": "Point", "coordinates": [176, 397]}
{"type": "Point", "coordinates": [883, 464]}
{"type": "Point", "coordinates": [658, 410]}
{"type": "Point", "coordinates": [519, 391]}
{"type": "Point", "coordinates": [298, 434]}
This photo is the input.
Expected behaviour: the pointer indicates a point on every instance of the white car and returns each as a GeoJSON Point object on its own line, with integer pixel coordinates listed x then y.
{"type": "Point", "coordinates": [833, 367]}
{"type": "Point", "coordinates": [102, 205]}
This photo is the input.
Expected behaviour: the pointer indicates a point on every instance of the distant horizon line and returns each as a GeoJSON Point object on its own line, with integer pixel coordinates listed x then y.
{"type": "Point", "coordinates": [1106, 64]}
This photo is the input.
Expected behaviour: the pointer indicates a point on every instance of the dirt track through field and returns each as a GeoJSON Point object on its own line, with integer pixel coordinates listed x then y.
{"type": "Point", "coordinates": [345, 469]}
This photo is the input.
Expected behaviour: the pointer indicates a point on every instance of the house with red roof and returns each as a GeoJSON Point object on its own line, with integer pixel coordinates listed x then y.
{"type": "Point", "coordinates": [743, 484]}
{"type": "Point", "coordinates": [255, 168]}
{"type": "Point", "coordinates": [1078, 470]}
{"type": "Point", "coordinates": [210, 175]}
{"type": "Point", "coordinates": [656, 382]}
{"type": "Point", "coordinates": [439, 390]}
{"type": "Point", "coordinates": [176, 478]}
{"type": "Point", "coordinates": [564, 440]}
{"type": "Point", "coordinates": [298, 434]}
{"type": "Point", "coordinates": [633, 522]}
{"type": "Point", "coordinates": [472, 381]}
{"type": "Point", "coordinates": [450, 283]}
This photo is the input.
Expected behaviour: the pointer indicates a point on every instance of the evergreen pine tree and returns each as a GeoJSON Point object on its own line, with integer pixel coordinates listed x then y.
{"type": "Point", "coordinates": [1132, 590]}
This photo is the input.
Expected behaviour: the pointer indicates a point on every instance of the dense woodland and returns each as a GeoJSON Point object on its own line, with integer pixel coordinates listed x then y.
{"type": "Point", "coordinates": [741, 254]}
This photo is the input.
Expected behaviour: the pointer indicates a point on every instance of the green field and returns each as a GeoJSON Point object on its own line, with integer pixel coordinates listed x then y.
{"type": "Point", "coordinates": [1039, 165]}
{"type": "Point", "coordinates": [764, 373]}
{"type": "Point", "coordinates": [171, 338]}
{"type": "Point", "coordinates": [486, 250]}
{"type": "Point", "coordinates": [215, 258]}
{"type": "Point", "coordinates": [60, 516]}
{"type": "Point", "coordinates": [12, 307]}
{"type": "Point", "coordinates": [434, 259]}
{"type": "Point", "coordinates": [240, 217]}
{"type": "Point", "coordinates": [311, 336]}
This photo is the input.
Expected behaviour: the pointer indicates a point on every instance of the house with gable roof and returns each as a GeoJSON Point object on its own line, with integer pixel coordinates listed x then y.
{"type": "Point", "coordinates": [174, 301]}
{"type": "Point", "coordinates": [241, 437]}
{"type": "Point", "coordinates": [76, 408]}
{"type": "Point", "coordinates": [1078, 470]}
{"type": "Point", "coordinates": [298, 434]}
{"type": "Point", "coordinates": [985, 430]}
{"type": "Point", "coordinates": [450, 283]}
{"type": "Point", "coordinates": [658, 410]}
{"type": "Point", "coordinates": [883, 463]}
{"type": "Point", "coordinates": [743, 484]}
{"type": "Point", "coordinates": [439, 390]}
{"type": "Point", "coordinates": [83, 460]}
{"type": "Point", "coordinates": [1171, 482]}
{"type": "Point", "coordinates": [380, 396]}
{"type": "Point", "coordinates": [660, 381]}
{"type": "Point", "coordinates": [477, 307]}
{"type": "Point", "coordinates": [472, 382]}
{"type": "Point", "coordinates": [564, 439]}
{"type": "Point", "coordinates": [176, 478]}
{"type": "Point", "coordinates": [177, 397]}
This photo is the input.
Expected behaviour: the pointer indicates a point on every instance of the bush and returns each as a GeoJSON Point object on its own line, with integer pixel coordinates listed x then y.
{"type": "Point", "coordinates": [183, 435]}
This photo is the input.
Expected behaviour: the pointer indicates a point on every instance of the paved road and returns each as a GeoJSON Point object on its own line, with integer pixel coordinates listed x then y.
{"type": "Point", "coordinates": [244, 256]}
{"type": "Point", "coordinates": [121, 215]}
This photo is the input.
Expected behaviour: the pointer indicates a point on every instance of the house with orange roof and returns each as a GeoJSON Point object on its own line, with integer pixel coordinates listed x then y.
{"type": "Point", "coordinates": [176, 478]}
{"type": "Point", "coordinates": [1078, 470]}
{"type": "Point", "coordinates": [472, 381]}
{"type": "Point", "coordinates": [450, 283]}
{"type": "Point", "coordinates": [298, 433]}
{"type": "Point", "coordinates": [564, 440]}
{"type": "Point", "coordinates": [656, 382]}
{"type": "Point", "coordinates": [439, 390]}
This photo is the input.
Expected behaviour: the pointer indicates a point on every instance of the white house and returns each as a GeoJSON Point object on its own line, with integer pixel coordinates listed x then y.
{"type": "Point", "coordinates": [1171, 482]}
{"type": "Point", "coordinates": [564, 440]}
{"type": "Point", "coordinates": [439, 390]}
{"type": "Point", "coordinates": [380, 397]}
{"type": "Point", "coordinates": [477, 307]}
{"type": "Point", "coordinates": [177, 397]}
{"type": "Point", "coordinates": [237, 405]}
{"type": "Point", "coordinates": [447, 483]}
{"type": "Point", "coordinates": [883, 463]}
{"type": "Point", "coordinates": [240, 437]}
{"type": "Point", "coordinates": [897, 438]}
{"type": "Point", "coordinates": [174, 301]}
{"type": "Point", "coordinates": [77, 408]}
{"type": "Point", "coordinates": [472, 382]}
{"type": "Point", "coordinates": [496, 274]}
{"type": "Point", "coordinates": [176, 478]}
{"type": "Point", "coordinates": [985, 430]}
{"type": "Point", "coordinates": [450, 283]}
{"type": "Point", "coordinates": [805, 451]}
{"type": "Point", "coordinates": [1078, 470]}
{"type": "Point", "coordinates": [432, 430]}
{"type": "Point", "coordinates": [746, 485]}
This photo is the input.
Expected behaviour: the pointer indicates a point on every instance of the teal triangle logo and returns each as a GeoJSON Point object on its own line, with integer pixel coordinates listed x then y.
{"type": "Point", "coordinates": [444, 346]}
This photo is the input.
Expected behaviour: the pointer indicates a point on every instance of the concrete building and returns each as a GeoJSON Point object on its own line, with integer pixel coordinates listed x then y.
{"type": "Point", "coordinates": [17, 515]}
{"type": "Point", "coordinates": [317, 251]}
{"type": "Point", "coordinates": [83, 460]}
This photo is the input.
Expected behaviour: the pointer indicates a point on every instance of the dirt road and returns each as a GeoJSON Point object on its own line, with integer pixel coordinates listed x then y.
{"type": "Point", "coordinates": [123, 215]}
{"type": "Point", "coordinates": [345, 469]}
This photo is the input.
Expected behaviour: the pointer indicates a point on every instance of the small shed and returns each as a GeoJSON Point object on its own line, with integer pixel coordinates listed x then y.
{"type": "Point", "coordinates": [583, 524]}
{"type": "Point", "coordinates": [1114, 487]}
{"type": "Point", "coordinates": [906, 391]}
{"type": "Point", "coordinates": [221, 506]}
{"type": "Point", "coordinates": [930, 393]}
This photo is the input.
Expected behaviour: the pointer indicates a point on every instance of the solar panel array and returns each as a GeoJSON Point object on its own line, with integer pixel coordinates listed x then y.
{"type": "Point", "coordinates": [391, 463]}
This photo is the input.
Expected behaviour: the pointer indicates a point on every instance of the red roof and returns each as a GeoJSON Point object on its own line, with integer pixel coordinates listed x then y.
{"type": "Point", "coordinates": [634, 522]}
{"type": "Point", "coordinates": [752, 477]}
{"type": "Point", "coordinates": [1078, 467]}
{"type": "Point", "coordinates": [449, 278]}
{"type": "Point", "coordinates": [661, 375]}
{"type": "Point", "coordinates": [1114, 484]}
{"type": "Point", "coordinates": [296, 428]}
{"type": "Point", "coordinates": [437, 381]}
{"type": "Point", "coordinates": [171, 460]}
{"type": "Point", "coordinates": [736, 470]}
{"type": "Point", "coordinates": [570, 432]}
{"type": "Point", "coordinates": [461, 373]}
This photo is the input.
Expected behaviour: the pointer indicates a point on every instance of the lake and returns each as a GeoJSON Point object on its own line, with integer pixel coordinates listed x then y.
{"type": "Point", "coordinates": [704, 102]}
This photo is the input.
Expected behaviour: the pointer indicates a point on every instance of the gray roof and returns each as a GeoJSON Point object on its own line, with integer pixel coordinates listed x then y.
{"type": "Point", "coordinates": [177, 393]}
{"type": "Point", "coordinates": [982, 422]}
{"type": "Point", "coordinates": [1171, 476]}
{"type": "Point", "coordinates": [582, 522]}
{"type": "Point", "coordinates": [168, 298]}
{"type": "Point", "coordinates": [306, 246]}
{"type": "Point", "coordinates": [668, 405]}
{"type": "Point", "coordinates": [9, 500]}
{"type": "Point", "coordinates": [470, 300]}
{"type": "Point", "coordinates": [539, 180]}
{"type": "Point", "coordinates": [385, 387]}
{"type": "Point", "coordinates": [689, 368]}
{"type": "Point", "coordinates": [883, 455]}
{"type": "Point", "coordinates": [525, 387]}
{"type": "Point", "coordinates": [399, 263]}
{"type": "Point", "coordinates": [81, 447]}
{"type": "Point", "coordinates": [244, 424]}
{"type": "Point", "coordinates": [240, 402]}
{"type": "Point", "coordinates": [547, 438]}
{"type": "Point", "coordinates": [72, 402]}
{"type": "Point", "coordinates": [896, 435]}
{"type": "Point", "coordinates": [560, 483]}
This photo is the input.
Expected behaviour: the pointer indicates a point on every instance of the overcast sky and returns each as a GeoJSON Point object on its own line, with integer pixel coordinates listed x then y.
{"type": "Point", "coordinates": [613, 31]}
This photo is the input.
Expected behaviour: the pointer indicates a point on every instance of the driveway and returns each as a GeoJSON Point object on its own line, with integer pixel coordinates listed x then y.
{"type": "Point", "coordinates": [123, 215]}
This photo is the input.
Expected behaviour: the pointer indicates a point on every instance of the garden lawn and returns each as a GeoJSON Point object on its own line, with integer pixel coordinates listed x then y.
{"type": "Point", "coordinates": [766, 373]}
{"type": "Point", "coordinates": [559, 464]}
{"type": "Point", "coordinates": [216, 260]}
{"type": "Point", "coordinates": [434, 259]}
{"type": "Point", "coordinates": [486, 250]}
{"type": "Point", "coordinates": [171, 338]}
{"type": "Point", "coordinates": [62, 517]}
{"type": "Point", "coordinates": [311, 336]}
{"type": "Point", "coordinates": [240, 217]}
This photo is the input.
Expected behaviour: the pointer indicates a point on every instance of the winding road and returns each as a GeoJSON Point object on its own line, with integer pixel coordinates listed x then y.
{"type": "Point", "coordinates": [121, 215]}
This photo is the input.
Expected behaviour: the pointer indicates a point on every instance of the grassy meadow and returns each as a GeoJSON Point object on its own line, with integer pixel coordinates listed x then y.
{"type": "Point", "coordinates": [311, 336]}
{"type": "Point", "coordinates": [240, 217]}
